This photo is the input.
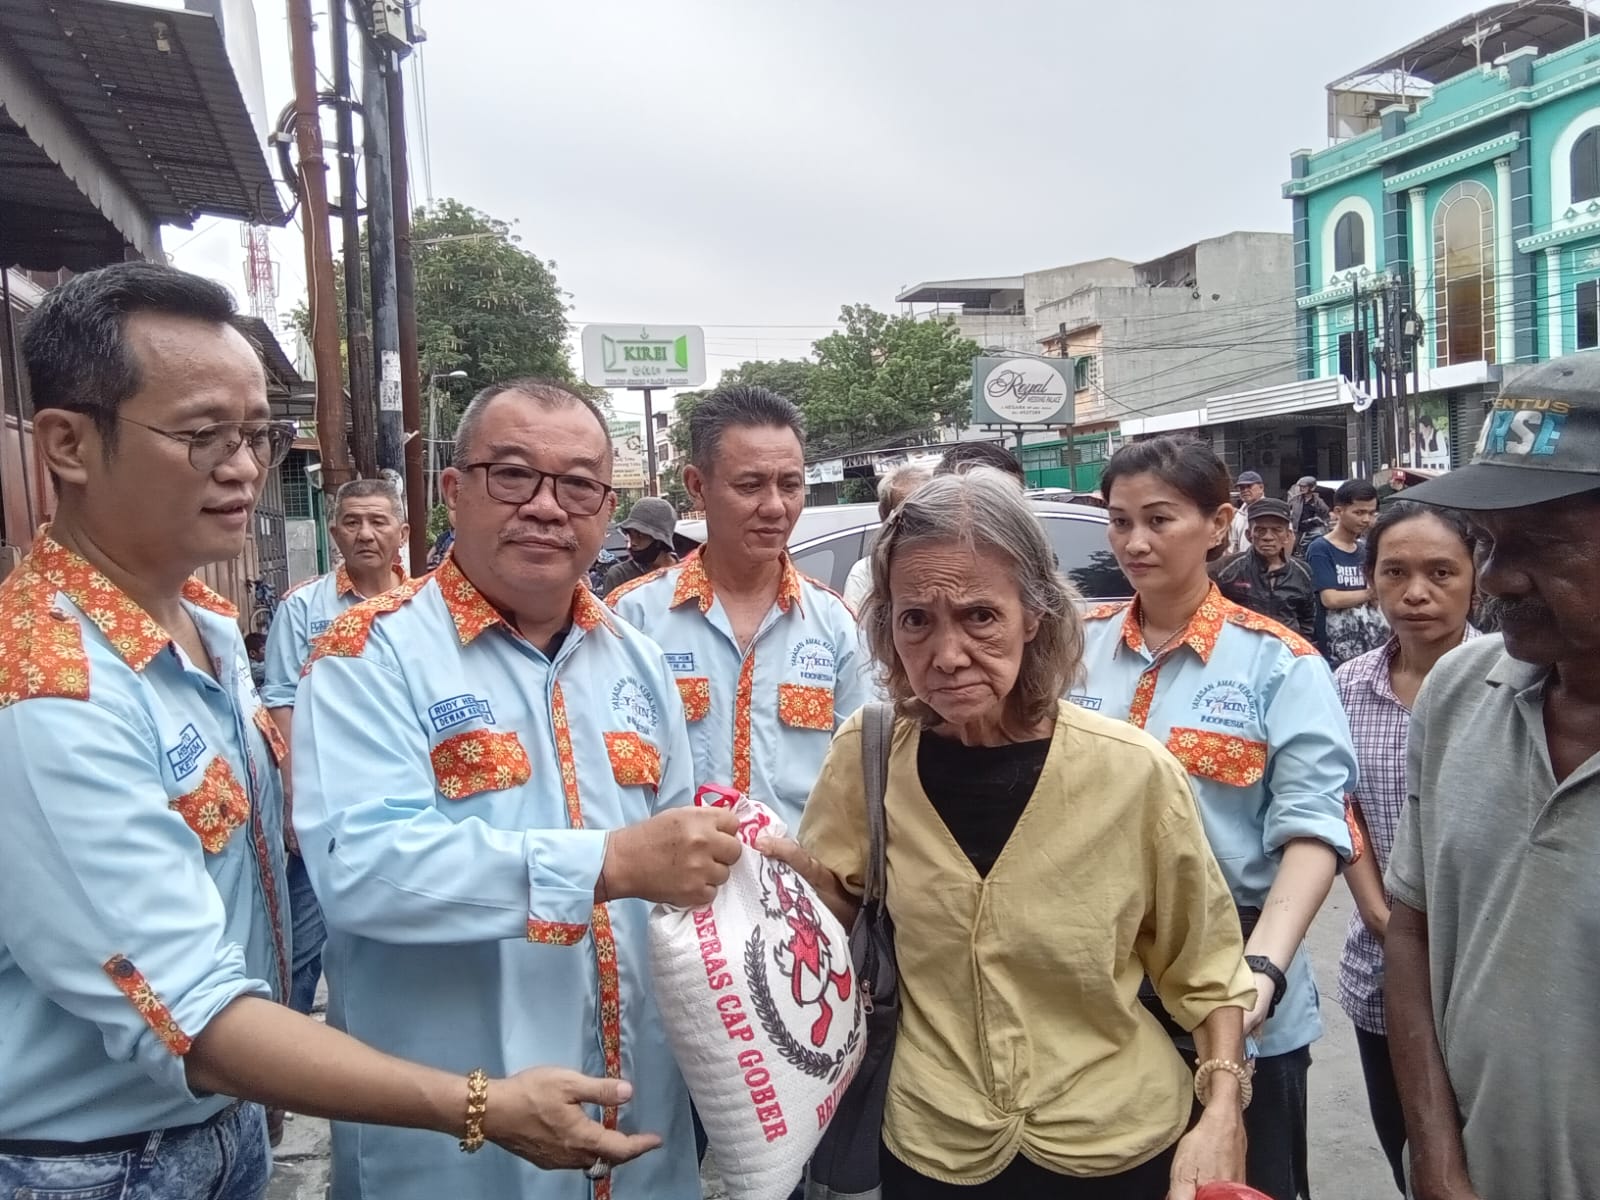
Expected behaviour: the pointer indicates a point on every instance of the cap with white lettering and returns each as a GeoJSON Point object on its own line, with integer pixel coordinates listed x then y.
{"type": "Point", "coordinates": [1540, 442]}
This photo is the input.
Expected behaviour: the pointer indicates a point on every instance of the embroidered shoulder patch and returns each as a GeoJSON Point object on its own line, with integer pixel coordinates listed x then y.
{"type": "Point", "coordinates": [1254, 621]}
{"type": "Point", "coordinates": [41, 647]}
{"type": "Point", "coordinates": [1104, 612]}
{"type": "Point", "coordinates": [347, 636]}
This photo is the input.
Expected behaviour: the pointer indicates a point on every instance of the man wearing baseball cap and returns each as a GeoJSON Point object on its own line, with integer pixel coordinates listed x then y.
{"type": "Point", "coordinates": [1491, 972]}
{"type": "Point", "coordinates": [1266, 578]}
{"type": "Point", "coordinates": [1251, 488]}
{"type": "Point", "coordinates": [649, 527]}
{"type": "Point", "coordinates": [1308, 514]}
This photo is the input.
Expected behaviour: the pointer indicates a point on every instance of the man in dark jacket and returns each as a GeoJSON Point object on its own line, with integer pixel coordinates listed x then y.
{"type": "Point", "coordinates": [1308, 515]}
{"type": "Point", "coordinates": [1266, 578]}
{"type": "Point", "coordinates": [649, 527]}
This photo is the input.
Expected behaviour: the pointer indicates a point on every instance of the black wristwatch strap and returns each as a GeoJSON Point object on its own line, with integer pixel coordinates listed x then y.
{"type": "Point", "coordinates": [1262, 965]}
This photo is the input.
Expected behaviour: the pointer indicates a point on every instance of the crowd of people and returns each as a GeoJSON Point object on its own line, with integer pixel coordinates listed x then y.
{"type": "Point", "coordinates": [457, 796]}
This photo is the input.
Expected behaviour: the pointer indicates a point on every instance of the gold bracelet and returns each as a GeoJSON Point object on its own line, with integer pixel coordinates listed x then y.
{"type": "Point", "coordinates": [1244, 1074]}
{"type": "Point", "coordinates": [477, 1105]}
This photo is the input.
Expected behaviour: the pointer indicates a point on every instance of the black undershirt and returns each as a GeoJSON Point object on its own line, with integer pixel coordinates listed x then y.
{"type": "Point", "coordinates": [979, 791]}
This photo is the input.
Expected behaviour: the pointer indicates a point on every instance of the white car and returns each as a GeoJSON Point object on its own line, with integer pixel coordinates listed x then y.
{"type": "Point", "coordinates": [829, 539]}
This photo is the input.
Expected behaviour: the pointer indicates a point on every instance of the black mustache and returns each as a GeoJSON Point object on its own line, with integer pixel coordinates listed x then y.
{"type": "Point", "coordinates": [1521, 611]}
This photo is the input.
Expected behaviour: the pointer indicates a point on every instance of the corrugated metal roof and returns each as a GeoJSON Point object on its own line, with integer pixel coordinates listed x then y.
{"type": "Point", "coordinates": [154, 91]}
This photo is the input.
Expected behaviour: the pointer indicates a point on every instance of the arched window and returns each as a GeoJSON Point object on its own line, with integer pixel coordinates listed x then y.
{"type": "Point", "coordinates": [1349, 242]}
{"type": "Point", "coordinates": [1586, 166]}
{"type": "Point", "coordinates": [1463, 276]}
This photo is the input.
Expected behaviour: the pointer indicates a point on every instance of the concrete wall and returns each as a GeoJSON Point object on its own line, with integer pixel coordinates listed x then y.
{"type": "Point", "coordinates": [1045, 287]}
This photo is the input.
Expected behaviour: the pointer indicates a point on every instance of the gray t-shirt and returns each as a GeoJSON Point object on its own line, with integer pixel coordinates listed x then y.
{"type": "Point", "coordinates": [1507, 866]}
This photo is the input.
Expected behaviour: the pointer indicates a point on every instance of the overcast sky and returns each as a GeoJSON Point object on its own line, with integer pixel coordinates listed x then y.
{"type": "Point", "coordinates": [750, 166]}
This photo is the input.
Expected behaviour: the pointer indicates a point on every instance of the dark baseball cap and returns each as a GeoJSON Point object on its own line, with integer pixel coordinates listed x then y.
{"type": "Point", "coordinates": [1247, 477]}
{"type": "Point", "coordinates": [1268, 507]}
{"type": "Point", "coordinates": [1540, 442]}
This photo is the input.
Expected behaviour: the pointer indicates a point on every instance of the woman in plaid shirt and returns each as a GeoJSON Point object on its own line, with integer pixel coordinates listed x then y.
{"type": "Point", "coordinates": [1419, 564]}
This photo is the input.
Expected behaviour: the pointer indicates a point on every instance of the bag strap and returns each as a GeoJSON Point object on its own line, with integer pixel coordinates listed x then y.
{"type": "Point", "coordinates": [877, 729]}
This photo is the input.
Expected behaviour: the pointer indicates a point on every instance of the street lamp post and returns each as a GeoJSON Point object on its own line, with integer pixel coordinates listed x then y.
{"type": "Point", "coordinates": [433, 430]}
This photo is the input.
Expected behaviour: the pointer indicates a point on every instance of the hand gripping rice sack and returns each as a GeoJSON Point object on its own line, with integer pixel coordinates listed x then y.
{"type": "Point", "coordinates": [761, 1006]}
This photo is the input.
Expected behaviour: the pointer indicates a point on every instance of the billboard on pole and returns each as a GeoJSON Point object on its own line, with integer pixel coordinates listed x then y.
{"type": "Point", "coordinates": [644, 356]}
{"type": "Point", "coordinates": [627, 455]}
{"type": "Point", "coordinates": [1022, 391]}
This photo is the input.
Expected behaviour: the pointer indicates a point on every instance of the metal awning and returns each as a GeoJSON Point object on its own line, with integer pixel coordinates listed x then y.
{"type": "Point", "coordinates": [1546, 25]}
{"type": "Point", "coordinates": [971, 293]}
{"type": "Point", "coordinates": [116, 119]}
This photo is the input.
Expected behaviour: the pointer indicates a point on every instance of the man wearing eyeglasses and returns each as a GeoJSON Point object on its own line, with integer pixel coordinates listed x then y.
{"type": "Point", "coordinates": [142, 935]}
{"type": "Point", "coordinates": [492, 784]}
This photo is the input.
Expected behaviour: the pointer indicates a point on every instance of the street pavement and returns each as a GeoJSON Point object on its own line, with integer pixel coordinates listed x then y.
{"type": "Point", "coordinates": [1346, 1163]}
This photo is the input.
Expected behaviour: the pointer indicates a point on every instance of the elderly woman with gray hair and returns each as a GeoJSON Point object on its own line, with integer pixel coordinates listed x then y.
{"type": "Point", "coordinates": [1041, 861]}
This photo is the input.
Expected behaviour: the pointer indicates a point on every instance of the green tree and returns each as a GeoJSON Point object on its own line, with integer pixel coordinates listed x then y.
{"type": "Point", "coordinates": [883, 376]}
{"type": "Point", "coordinates": [789, 377]}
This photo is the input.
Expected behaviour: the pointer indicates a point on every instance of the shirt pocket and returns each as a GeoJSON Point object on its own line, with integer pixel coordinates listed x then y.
{"type": "Point", "coordinates": [479, 760]}
{"type": "Point", "coordinates": [634, 761]}
{"type": "Point", "coordinates": [1221, 757]}
{"type": "Point", "coordinates": [276, 746]}
{"type": "Point", "coordinates": [696, 693]}
{"type": "Point", "coordinates": [216, 807]}
{"type": "Point", "coordinates": [802, 707]}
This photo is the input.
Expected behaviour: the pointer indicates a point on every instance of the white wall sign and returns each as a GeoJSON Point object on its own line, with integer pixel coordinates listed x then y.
{"type": "Point", "coordinates": [1022, 391]}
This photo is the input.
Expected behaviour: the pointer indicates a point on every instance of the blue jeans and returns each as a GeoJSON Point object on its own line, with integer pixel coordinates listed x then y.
{"type": "Point", "coordinates": [309, 934]}
{"type": "Point", "coordinates": [224, 1159]}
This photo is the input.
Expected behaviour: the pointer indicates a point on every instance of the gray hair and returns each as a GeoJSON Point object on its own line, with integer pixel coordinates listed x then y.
{"type": "Point", "coordinates": [897, 485]}
{"type": "Point", "coordinates": [548, 393]}
{"type": "Point", "coordinates": [361, 489]}
{"type": "Point", "coordinates": [981, 509]}
{"type": "Point", "coordinates": [738, 405]}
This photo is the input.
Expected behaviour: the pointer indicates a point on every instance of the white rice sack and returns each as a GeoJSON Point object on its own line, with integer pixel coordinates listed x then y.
{"type": "Point", "coordinates": [761, 1006]}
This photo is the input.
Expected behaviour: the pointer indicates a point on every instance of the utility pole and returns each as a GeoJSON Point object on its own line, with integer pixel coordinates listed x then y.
{"type": "Point", "coordinates": [650, 486]}
{"type": "Point", "coordinates": [336, 466]}
{"type": "Point", "coordinates": [358, 339]}
{"type": "Point", "coordinates": [380, 249]}
{"type": "Point", "coordinates": [417, 508]}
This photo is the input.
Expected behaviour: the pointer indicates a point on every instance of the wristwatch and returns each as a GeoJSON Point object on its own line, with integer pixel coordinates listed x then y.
{"type": "Point", "coordinates": [1262, 965]}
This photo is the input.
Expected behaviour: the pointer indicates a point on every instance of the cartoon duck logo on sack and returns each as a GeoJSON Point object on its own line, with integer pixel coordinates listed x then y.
{"type": "Point", "coordinates": [808, 958]}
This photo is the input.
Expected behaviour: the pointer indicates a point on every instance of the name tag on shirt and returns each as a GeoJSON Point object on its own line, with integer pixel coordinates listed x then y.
{"type": "Point", "coordinates": [458, 710]}
{"type": "Point", "coordinates": [681, 663]}
{"type": "Point", "coordinates": [185, 756]}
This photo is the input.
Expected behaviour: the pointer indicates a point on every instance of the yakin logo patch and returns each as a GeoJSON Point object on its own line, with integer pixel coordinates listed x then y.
{"type": "Point", "coordinates": [635, 705]}
{"type": "Point", "coordinates": [1227, 703]}
{"type": "Point", "coordinates": [816, 660]}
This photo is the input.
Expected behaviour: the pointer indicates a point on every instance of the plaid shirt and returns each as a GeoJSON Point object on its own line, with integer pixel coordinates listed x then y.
{"type": "Point", "coordinates": [1379, 726]}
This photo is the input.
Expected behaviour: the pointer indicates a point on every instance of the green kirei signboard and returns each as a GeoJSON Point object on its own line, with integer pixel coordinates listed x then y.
{"type": "Point", "coordinates": [644, 356]}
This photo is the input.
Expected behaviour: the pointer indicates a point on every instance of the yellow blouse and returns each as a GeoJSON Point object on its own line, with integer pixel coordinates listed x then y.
{"type": "Point", "coordinates": [1020, 1026]}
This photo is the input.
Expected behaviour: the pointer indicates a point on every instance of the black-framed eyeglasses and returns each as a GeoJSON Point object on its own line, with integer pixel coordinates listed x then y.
{"type": "Point", "coordinates": [512, 483]}
{"type": "Point", "coordinates": [212, 445]}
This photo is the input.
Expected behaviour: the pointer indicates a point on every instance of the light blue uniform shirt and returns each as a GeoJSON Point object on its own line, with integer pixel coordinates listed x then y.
{"type": "Point", "coordinates": [141, 860]}
{"type": "Point", "coordinates": [303, 615]}
{"type": "Point", "coordinates": [760, 719]}
{"type": "Point", "coordinates": [1250, 710]}
{"type": "Point", "coordinates": [453, 789]}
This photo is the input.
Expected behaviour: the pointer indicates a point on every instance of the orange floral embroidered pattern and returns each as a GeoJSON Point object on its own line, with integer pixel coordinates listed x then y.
{"type": "Point", "coordinates": [216, 808]}
{"type": "Point", "coordinates": [347, 636]}
{"type": "Point", "coordinates": [41, 648]}
{"type": "Point", "coordinates": [741, 723]}
{"type": "Point", "coordinates": [556, 933]}
{"type": "Point", "coordinates": [696, 693]}
{"type": "Point", "coordinates": [1358, 844]}
{"type": "Point", "coordinates": [1246, 619]}
{"type": "Point", "coordinates": [1236, 761]}
{"type": "Point", "coordinates": [1102, 612]}
{"type": "Point", "coordinates": [278, 748]}
{"type": "Point", "coordinates": [693, 584]}
{"type": "Point", "coordinates": [269, 889]}
{"type": "Point", "coordinates": [605, 942]}
{"type": "Point", "coordinates": [1143, 696]}
{"type": "Point", "coordinates": [142, 996]}
{"type": "Point", "coordinates": [634, 761]}
{"type": "Point", "coordinates": [479, 760]}
{"type": "Point", "coordinates": [805, 707]}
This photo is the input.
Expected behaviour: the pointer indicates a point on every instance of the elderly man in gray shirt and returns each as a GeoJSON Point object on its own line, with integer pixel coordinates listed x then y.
{"type": "Point", "coordinates": [1493, 985]}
